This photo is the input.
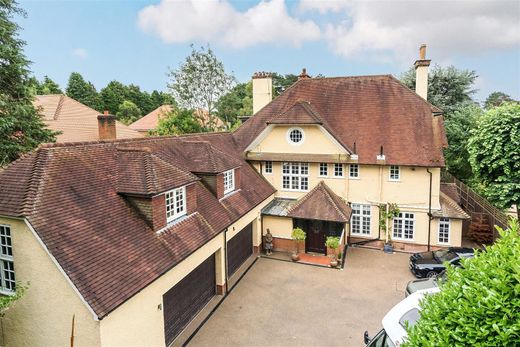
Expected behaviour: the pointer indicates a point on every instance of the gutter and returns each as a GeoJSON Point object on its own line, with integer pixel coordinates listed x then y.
{"type": "Point", "coordinates": [429, 208]}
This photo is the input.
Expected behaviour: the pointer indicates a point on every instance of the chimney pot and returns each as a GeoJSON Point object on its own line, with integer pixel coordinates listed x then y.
{"type": "Point", "coordinates": [106, 126]}
{"type": "Point", "coordinates": [105, 112]}
{"type": "Point", "coordinates": [303, 74]}
{"type": "Point", "coordinates": [421, 73]}
{"type": "Point", "coordinates": [422, 52]}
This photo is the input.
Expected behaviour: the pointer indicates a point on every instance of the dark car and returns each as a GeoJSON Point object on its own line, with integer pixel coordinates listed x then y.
{"type": "Point", "coordinates": [429, 264]}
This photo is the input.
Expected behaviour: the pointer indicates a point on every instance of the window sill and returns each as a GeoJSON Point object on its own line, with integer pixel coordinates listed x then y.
{"type": "Point", "coordinates": [353, 178]}
{"type": "Point", "coordinates": [172, 220]}
{"type": "Point", "coordinates": [337, 177]}
{"type": "Point", "coordinates": [7, 293]}
{"type": "Point", "coordinates": [402, 240]}
{"type": "Point", "coordinates": [294, 190]}
{"type": "Point", "coordinates": [366, 236]}
{"type": "Point", "coordinates": [394, 180]}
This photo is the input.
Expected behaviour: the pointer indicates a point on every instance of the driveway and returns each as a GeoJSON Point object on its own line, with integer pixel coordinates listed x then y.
{"type": "Point", "coordinates": [282, 303]}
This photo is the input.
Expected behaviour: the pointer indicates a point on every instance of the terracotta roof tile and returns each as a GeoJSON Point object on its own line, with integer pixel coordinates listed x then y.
{"type": "Point", "coordinates": [321, 203]}
{"type": "Point", "coordinates": [371, 111]}
{"type": "Point", "coordinates": [450, 209]}
{"type": "Point", "coordinates": [300, 112]}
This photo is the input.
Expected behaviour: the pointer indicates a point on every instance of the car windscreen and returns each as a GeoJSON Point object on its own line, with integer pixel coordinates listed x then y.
{"type": "Point", "coordinates": [444, 255]}
{"type": "Point", "coordinates": [411, 317]}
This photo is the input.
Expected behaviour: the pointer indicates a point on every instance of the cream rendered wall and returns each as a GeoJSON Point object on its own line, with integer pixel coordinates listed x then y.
{"type": "Point", "coordinates": [276, 141]}
{"type": "Point", "coordinates": [43, 316]}
{"type": "Point", "coordinates": [251, 216]}
{"type": "Point", "coordinates": [139, 321]}
{"type": "Point", "coordinates": [278, 226]}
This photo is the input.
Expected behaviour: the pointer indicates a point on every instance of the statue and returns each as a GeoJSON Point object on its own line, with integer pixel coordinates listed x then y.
{"type": "Point", "coordinates": [268, 243]}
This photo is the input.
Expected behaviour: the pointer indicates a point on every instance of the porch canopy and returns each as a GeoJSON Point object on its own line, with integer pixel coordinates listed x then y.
{"type": "Point", "coordinates": [321, 203]}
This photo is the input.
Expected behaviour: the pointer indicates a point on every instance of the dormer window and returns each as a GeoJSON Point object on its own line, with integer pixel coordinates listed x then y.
{"type": "Point", "coordinates": [175, 203]}
{"type": "Point", "coordinates": [229, 181]}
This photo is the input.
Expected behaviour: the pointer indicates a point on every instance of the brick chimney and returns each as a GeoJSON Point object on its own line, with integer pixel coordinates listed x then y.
{"type": "Point", "coordinates": [262, 90]}
{"type": "Point", "coordinates": [421, 73]}
{"type": "Point", "coordinates": [303, 74]}
{"type": "Point", "coordinates": [106, 126]}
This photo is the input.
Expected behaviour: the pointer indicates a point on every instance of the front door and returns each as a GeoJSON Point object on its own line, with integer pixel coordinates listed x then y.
{"type": "Point", "coordinates": [315, 240]}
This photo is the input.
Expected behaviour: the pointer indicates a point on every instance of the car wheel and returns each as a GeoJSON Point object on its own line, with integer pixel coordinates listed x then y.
{"type": "Point", "coordinates": [431, 274]}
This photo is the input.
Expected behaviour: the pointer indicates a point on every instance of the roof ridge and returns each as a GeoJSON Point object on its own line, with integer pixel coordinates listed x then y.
{"type": "Point", "coordinates": [149, 173]}
{"type": "Point", "coordinates": [329, 193]}
{"type": "Point", "coordinates": [304, 198]}
{"type": "Point", "coordinates": [33, 185]}
{"type": "Point", "coordinates": [58, 108]}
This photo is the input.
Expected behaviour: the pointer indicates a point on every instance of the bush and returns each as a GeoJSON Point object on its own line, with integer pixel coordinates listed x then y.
{"type": "Point", "coordinates": [332, 242]}
{"type": "Point", "coordinates": [479, 304]}
{"type": "Point", "coordinates": [298, 234]}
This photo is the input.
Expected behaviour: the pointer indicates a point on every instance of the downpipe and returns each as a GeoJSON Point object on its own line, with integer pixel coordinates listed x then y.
{"type": "Point", "coordinates": [430, 209]}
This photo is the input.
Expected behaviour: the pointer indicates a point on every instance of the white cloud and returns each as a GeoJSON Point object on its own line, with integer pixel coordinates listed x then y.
{"type": "Point", "coordinates": [393, 31]}
{"type": "Point", "coordinates": [80, 53]}
{"type": "Point", "coordinates": [217, 21]}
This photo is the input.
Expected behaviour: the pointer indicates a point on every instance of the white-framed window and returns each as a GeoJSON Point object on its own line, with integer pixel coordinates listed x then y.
{"type": "Point", "coordinates": [444, 230]}
{"type": "Point", "coordinates": [360, 224]}
{"type": "Point", "coordinates": [295, 176]}
{"type": "Point", "coordinates": [7, 278]}
{"type": "Point", "coordinates": [395, 173]}
{"type": "Point", "coordinates": [404, 226]}
{"type": "Point", "coordinates": [229, 181]}
{"type": "Point", "coordinates": [324, 169]}
{"type": "Point", "coordinates": [353, 171]}
{"type": "Point", "coordinates": [338, 170]}
{"type": "Point", "coordinates": [175, 203]}
{"type": "Point", "coordinates": [268, 167]}
{"type": "Point", "coordinates": [295, 136]}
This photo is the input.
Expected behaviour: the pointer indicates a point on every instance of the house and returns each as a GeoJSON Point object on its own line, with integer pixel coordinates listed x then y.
{"type": "Point", "coordinates": [150, 122]}
{"type": "Point", "coordinates": [134, 237]}
{"type": "Point", "coordinates": [76, 121]}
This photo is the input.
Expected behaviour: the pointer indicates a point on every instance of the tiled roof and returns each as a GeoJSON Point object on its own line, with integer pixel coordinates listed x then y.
{"type": "Point", "coordinates": [450, 209]}
{"type": "Point", "coordinates": [141, 172]}
{"type": "Point", "coordinates": [450, 189]}
{"type": "Point", "coordinates": [69, 194]}
{"type": "Point", "coordinates": [370, 111]}
{"type": "Point", "coordinates": [321, 203]}
{"type": "Point", "coordinates": [300, 113]}
{"type": "Point", "coordinates": [76, 121]}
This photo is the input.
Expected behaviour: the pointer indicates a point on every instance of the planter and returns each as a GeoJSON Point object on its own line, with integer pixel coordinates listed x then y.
{"type": "Point", "coordinates": [295, 257]}
{"type": "Point", "coordinates": [388, 248]}
{"type": "Point", "coordinates": [334, 263]}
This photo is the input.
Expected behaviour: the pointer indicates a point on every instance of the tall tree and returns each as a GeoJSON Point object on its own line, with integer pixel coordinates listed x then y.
{"type": "Point", "coordinates": [237, 103]}
{"type": "Point", "coordinates": [178, 121]}
{"type": "Point", "coordinates": [161, 98]}
{"type": "Point", "coordinates": [21, 128]}
{"type": "Point", "coordinates": [496, 99]}
{"type": "Point", "coordinates": [282, 82]}
{"type": "Point", "coordinates": [113, 96]}
{"type": "Point", "coordinates": [128, 112]}
{"type": "Point", "coordinates": [200, 82]}
{"type": "Point", "coordinates": [448, 87]}
{"type": "Point", "coordinates": [84, 92]}
{"type": "Point", "coordinates": [494, 149]}
{"type": "Point", "coordinates": [48, 86]}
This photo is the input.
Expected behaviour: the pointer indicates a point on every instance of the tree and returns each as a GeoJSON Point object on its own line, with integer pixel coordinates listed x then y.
{"type": "Point", "coordinates": [494, 149]}
{"type": "Point", "coordinates": [478, 304]}
{"type": "Point", "coordinates": [458, 129]}
{"type": "Point", "coordinates": [128, 112]}
{"type": "Point", "coordinates": [200, 82]}
{"type": "Point", "coordinates": [21, 128]}
{"type": "Point", "coordinates": [282, 82]}
{"type": "Point", "coordinates": [113, 96]}
{"type": "Point", "coordinates": [84, 92]}
{"type": "Point", "coordinates": [161, 98]}
{"type": "Point", "coordinates": [496, 99]}
{"type": "Point", "coordinates": [48, 86]}
{"type": "Point", "coordinates": [177, 122]}
{"type": "Point", "coordinates": [448, 87]}
{"type": "Point", "coordinates": [237, 103]}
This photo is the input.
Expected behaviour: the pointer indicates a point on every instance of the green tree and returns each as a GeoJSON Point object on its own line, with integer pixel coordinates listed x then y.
{"type": "Point", "coordinates": [128, 112]}
{"type": "Point", "coordinates": [177, 122]}
{"type": "Point", "coordinates": [282, 82]}
{"type": "Point", "coordinates": [237, 103]}
{"type": "Point", "coordinates": [48, 86]}
{"type": "Point", "coordinates": [496, 99]}
{"type": "Point", "coordinates": [140, 98]}
{"type": "Point", "coordinates": [494, 149]}
{"type": "Point", "coordinates": [84, 92]}
{"type": "Point", "coordinates": [113, 96]}
{"type": "Point", "coordinates": [161, 98]}
{"type": "Point", "coordinates": [200, 82]}
{"type": "Point", "coordinates": [458, 130]}
{"type": "Point", "coordinates": [448, 87]}
{"type": "Point", "coordinates": [21, 128]}
{"type": "Point", "coordinates": [479, 304]}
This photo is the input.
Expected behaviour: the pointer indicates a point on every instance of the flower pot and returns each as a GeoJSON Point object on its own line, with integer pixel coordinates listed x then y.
{"type": "Point", "coordinates": [295, 256]}
{"type": "Point", "coordinates": [388, 248]}
{"type": "Point", "coordinates": [333, 263]}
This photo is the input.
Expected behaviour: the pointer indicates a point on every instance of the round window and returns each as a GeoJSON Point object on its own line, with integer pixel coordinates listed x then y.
{"type": "Point", "coordinates": [295, 135]}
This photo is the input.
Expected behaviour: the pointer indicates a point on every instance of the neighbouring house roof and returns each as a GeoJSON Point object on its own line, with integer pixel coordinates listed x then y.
{"type": "Point", "coordinates": [321, 203]}
{"type": "Point", "coordinates": [76, 121]}
{"type": "Point", "coordinates": [450, 208]}
{"type": "Point", "coordinates": [369, 111]}
{"type": "Point", "coordinates": [151, 120]}
{"type": "Point", "coordinates": [69, 194]}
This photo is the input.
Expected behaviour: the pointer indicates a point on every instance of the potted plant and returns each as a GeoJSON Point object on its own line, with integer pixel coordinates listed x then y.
{"type": "Point", "coordinates": [298, 235]}
{"type": "Point", "coordinates": [332, 244]}
{"type": "Point", "coordinates": [387, 213]}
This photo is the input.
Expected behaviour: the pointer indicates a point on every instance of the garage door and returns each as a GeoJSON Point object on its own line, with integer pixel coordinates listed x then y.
{"type": "Point", "coordinates": [183, 301]}
{"type": "Point", "coordinates": [240, 248]}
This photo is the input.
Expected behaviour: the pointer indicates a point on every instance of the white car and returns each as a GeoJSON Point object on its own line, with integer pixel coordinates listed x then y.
{"type": "Point", "coordinates": [394, 326]}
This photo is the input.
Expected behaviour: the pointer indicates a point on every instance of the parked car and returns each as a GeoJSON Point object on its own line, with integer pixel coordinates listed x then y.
{"type": "Point", "coordinates": [429, 264]}
{"type": "Point", "coordinates": [394, 322]}
{"type": "Point", "coordinates": [424, 283]}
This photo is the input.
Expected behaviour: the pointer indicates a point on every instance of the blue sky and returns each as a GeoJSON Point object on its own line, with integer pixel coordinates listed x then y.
{"type": "Point", "coordinates": [136, 41]}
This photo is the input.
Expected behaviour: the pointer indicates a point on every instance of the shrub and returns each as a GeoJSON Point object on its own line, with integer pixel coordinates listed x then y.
{"type": "Point", "coordinates": [479, 304]}
{"type": "Point", "coordinates": [332, 242]}
{"type": "Point", "coordinates": [298, 234]}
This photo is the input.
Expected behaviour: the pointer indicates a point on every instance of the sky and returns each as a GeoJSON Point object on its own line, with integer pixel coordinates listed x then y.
{"type": "Point", "coordinates": [137, 41]}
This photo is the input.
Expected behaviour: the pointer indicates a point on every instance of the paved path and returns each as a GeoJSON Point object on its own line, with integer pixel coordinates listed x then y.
{"type": "Point", "coordinates": [285, 304]}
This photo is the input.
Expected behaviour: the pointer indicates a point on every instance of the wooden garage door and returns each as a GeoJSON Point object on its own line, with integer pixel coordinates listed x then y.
{"type": "Point", "coordinates": [183, 301]}
{"type": "Point", "coordinates": [239, 248]}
